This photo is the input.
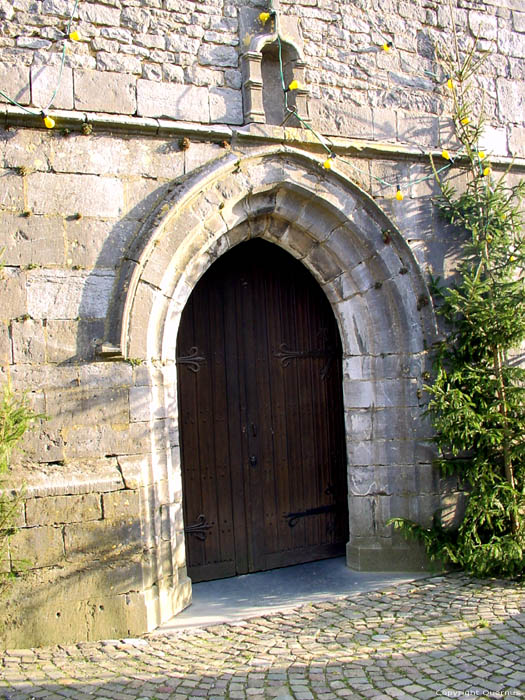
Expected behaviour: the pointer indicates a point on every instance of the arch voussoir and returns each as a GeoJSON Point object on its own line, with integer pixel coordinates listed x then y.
{"type": "Point", "coordinates": [367, 271]}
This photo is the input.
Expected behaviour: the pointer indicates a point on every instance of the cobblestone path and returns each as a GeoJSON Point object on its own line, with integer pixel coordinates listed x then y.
{"type": "Point", "coordinates": [435, 638]}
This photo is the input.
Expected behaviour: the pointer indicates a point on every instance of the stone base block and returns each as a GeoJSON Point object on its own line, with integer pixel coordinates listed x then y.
{"type": "Point", "coordinates": [379, 558]}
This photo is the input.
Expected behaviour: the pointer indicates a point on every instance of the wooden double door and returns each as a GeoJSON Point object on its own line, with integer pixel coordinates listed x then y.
{"type": "Point", "coordinates": [261, 417]}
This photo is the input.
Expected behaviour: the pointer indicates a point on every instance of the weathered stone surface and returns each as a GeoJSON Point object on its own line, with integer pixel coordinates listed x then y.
{"type": "Point", "coordinates": [105, 92]}
{"type": "Point", "coordinates": [13, 293]}
{"type": "Point", "coordinates": [74, 477]}
{"type": "Point", "coordinates": [71, 341]}
{"type": "Point", "coordinates": [97, 538]}
{"type": "Point", "coordinates": [14, 79]}
{"type": "Point", "coordinates": [31, 240]}
{"type": "Point", "coordinates": [218, 55]}
{"type": "Point", "coordinates": [68, 295]}
{"type": "Point", "coordinates": [6, 356]}
{"type": "Point", "coordinates": [336, 118]}
{"type": "Point", "coordinates": [84, 195]}
{"type": "Point", "coordinates": [511, 99]}
{"type": "Point", "coordinates": [100, 14]}
{"type": "Point", "coordinates": [44, 81]}
{"type": "Point", "coordinates": [182, 102]}
{"type": "Point", "coordinates": [28, 341]}
{"type": "Point", "coordinates": [121, 505]}
{"type": "Point", "coordinates": [39, 546]}
{"type": "Point", "coordinates": [76, 406]}
{"type": "Point", "coordinates": [12, 194]}
{"type": "Point", "coordinates": [225, 106]}
{"type": "Point", "coordinates": [54, 510]}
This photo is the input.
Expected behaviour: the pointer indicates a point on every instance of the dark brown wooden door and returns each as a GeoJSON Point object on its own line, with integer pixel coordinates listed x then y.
{"type": "Point", "coordinates": [261, 417]}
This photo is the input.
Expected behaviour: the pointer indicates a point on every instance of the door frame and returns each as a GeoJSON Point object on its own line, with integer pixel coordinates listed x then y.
{"type": "Point", "coordinates": [386, 321]}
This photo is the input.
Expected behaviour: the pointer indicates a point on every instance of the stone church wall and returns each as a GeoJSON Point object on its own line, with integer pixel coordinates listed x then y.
{"type": "Point", "coordinates": [149, 99]}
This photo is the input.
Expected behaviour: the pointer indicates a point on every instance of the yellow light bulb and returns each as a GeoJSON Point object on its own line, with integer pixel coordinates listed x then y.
{"type": "Point", "coordinates": [465, 121]}
{"type": "Point", "coordinates": [481, 155]}
{"type": "Point", "coordinates": [489, 239]}
{"type": "Point", "coordinates": [399, 195]}
{"type": "Point", "coordinates": [512, 258]}
{"type": "Point", "coordinates": [264, 17]}
{"type": "Point", "coordinates": [487, 171]}
{"type": "Point", "coordinates": [294, 85]}
{"type": "Point", "coordinates": [327, 165]}
{"type": "Point", "coordinates": [445, 154]}
{"type": "Point", "coordinates": [74, 36]}
{"type": "Point", "coordinates": [450, 84]}
{"type": "Point", "coordinates": [49, 122]}
{"type": "Point", "coordinates": [387, 46]}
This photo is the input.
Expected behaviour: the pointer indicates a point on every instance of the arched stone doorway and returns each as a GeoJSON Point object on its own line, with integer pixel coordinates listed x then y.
{"type": "Point", "coordinates": [385, 318]}
{"type": "Point", "coordinates": [261, 417]}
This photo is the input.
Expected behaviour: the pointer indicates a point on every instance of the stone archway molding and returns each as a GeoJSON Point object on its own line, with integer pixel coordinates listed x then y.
{"type": "Point", "coordinates": [334, 227]}
{"type": "Point", "coordinates": [380, 301]}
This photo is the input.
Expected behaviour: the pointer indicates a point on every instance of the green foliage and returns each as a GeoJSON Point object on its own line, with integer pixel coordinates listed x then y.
{"type": "Point", "coordinates": [16, 416]}
{"type": "Point", "coordinates": [477, 398]}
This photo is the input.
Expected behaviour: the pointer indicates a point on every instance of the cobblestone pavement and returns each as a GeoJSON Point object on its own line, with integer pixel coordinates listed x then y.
{"type": "Point", "coordinates": [435, 638]}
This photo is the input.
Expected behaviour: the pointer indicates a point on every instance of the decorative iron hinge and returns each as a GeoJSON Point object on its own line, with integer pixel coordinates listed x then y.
{"type": "Point", "coordinates": [193, 359]}
{"type": "Point", "coordinates": [293, 518]}
{"type": "Point", "coordinates": [286, 355]}
{"type": "Point", "coordinates": [199, 528]}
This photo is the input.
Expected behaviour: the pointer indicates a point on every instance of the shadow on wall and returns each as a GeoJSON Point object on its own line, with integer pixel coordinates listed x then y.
{"type": "Point", "coordinates": [93, 599]}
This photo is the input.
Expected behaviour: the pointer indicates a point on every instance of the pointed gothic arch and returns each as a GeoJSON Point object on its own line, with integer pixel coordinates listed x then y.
{"type": "Point", "coordinates": [380, 301]}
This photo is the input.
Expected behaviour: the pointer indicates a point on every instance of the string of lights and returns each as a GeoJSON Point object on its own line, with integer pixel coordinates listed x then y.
{"type": "Point", "coordinates": [400, 186]}
{"type": "Point", "coordinates": [49, 122]}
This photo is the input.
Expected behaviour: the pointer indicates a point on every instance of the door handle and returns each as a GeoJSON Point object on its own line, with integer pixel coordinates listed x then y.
{"type": "Point", "coordinates": [253, 461]}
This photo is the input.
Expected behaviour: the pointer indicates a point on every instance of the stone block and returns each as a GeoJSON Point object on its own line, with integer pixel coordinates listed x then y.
{"type": "Point", "coordinates": [417, 129]}
{"type": "Point", "coordinates": [118, 63]}
{"type": "Point", "coordinates": [105, 374]}
{"type": "Point", "coordinates": [105, 92]}
{"type": "Point", "coordinates": [518, 21]}
{"type": "Point", "coordinates": [39, 546]}
{"type": "Point", "coordinates": [6, 351]}
{"type": "Point", "coordinates": [363, 557]}
{"type": "Point", "coordinates": [494, 141]}
{"type": "Point", "coordinates": [28, 341]}
{"type": "Point", "coordinates": [12, 193]}
{"type": "Point", "coordinates": [92, 442]}
{"type": "Point", "coordinates": [183, 102]}
{"type": "Point", "coordinates": [482, 25]}
{"type": "Point", "coordinates": [101, 539]}
{"type": "Point", "coordinates": [54, 510]}
{"type": "Point", "coordinates": [121, 505]}
{"type": "Point", "coordinates": [13, 293]}
{"type": "Point", "coordinates": [218, 55]}
{"type": "Point", "coordinates": [384, 123]}
{"type": "Point", "coordinates": [87, 195]}
{"type": "Point", "coordinates": [225, 106]}
{"type": "Point", "coordinates": [32, 240]}
{"type": "Point", "coordinates": [142, 196]}
{"type": "Point", "coordinates": [72, 341]}
{"type": "Point", "coordinates": [134, 469]}
{"type": "Point", "coordinates": [77, 406]}
{"type": "Point", "coordinates": [321, 261]}
{"type": "Point", "coordinates": [68, 295]}
{"type": "Point", "coordinates": [74, 477]}
{"type": "Point", "coordinates": [100, 14]}
{"type": "Point", "coordinates": [14, 79]}
{"type": "Point", "coordinates": [517, 141]}
{"type": "Point", "coordinates": [44, 80]}
{"type": "Point", "coordinates": [200, 153]}
{"type": "Point", "coordinates": [140, 403]}
{"type": "Point", "coordinates": [511, 100]}
{"type": "Point", "coordinates": [341, 119]}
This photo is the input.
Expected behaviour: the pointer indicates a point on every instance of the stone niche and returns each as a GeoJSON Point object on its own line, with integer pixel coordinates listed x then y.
{"type": "Point", "coordinates": [272, 57]}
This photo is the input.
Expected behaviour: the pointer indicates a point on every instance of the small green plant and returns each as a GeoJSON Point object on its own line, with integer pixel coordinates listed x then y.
{"type": "Point", "coordinates": [16, 416]}
{"type": "Point", "coordinates": [477, 398]}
